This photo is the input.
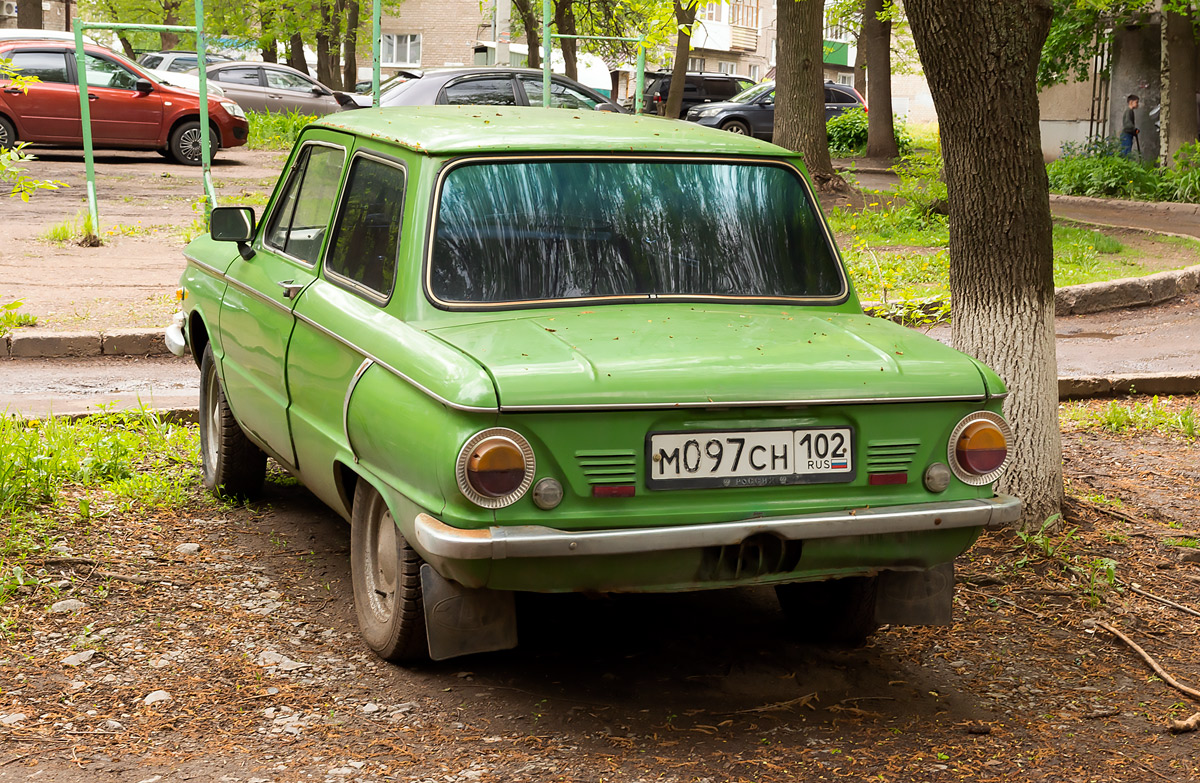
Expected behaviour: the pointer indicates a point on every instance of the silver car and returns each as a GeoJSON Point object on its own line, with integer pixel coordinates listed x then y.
{"type": "Point", "coordinates": [266, 87]}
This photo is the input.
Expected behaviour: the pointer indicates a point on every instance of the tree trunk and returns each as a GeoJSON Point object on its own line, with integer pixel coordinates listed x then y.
{"type": "Point", "coordinates": [169, 41]}
{"type": "Point", "coordinates": [1178, 85]}
{"type": "Point", "coordinates": [564, 20]}
{"type": "Point", "coordinates": [533, 26]}
{"type": "Point", "coordinates": [877, 40]}
{"type": "Point", "coordinates": [295, 53]}
{"type": "Point", "coordinates": [350, 47]}
{"type": "Point", "coordinates": [860, 62]}
{"type": "Point", "coordinates": [800, 89]}
{"type": "Point", "coordinates": [328, 39]}
{"type": "Point", "coordinates": [685, 17]}
{"type": "Point", "coordinates": [270, 51]}
{"type": "Point", "coordinates": [127, 47]}
{"type": "Point", "coordinates": [1001, 256]}
{"type": "Point", "coordinates": [29, 15]}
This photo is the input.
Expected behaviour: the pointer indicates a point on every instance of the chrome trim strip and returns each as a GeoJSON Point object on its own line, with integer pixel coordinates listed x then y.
{"type": "Point", "coordinates": [358, 374]}
{"type": "Point", "coordinates": [256, 294]}
{"type": "Point", "coordinates": [439, 540]}
{"type": "Point", "coordinates": [212, 270]}
{"type": "Point", "coordinates": [366, 355]}
{"type": "Point", "coordinates": [635, 406]}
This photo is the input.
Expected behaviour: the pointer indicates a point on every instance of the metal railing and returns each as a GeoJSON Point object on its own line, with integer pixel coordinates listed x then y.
{"type": "Point", "coordinates": [548, 47]}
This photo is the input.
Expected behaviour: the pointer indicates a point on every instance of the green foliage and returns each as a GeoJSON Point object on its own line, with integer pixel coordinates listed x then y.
{"type": "Point", "coordinates": [1136, 417]}
{"type": "Point", "coordinates": [10, 319]}
{"type": "Point", "coordinates": [1078, 30]}
{"type": "Point", "coordinates": [1098, 169]}
{"type": "Point", "coordinates": [79, 230]}
{"type": "Point", "coordinates": [1047, 540]}
{"type": "Point", "coordinates": [1182, 183]}
{"type": "Point", "coordinates": [275, 130]}
{"type": "Point", "coordinates": [848, 134]}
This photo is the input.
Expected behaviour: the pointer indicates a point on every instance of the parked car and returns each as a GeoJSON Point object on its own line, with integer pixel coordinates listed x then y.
{"type": "Point", "coordinates": [752, 112]}
{"type": "Point", "coordinates": [521, 352]}
{"type": "Point", "coordinates": [185, 81]}
{"type": "Point", "coordinates": [266, 87]}
{"type": "Point", "coordinates": [129, 109]}
{"type": "Point", "coordinates": [178, 62]}
{"type": "Point", "coordinates": [25, 33]}
{"type": "Point", "coordinates": [698, 88]}
{"type": "Point", "coordinates": [483, 86]}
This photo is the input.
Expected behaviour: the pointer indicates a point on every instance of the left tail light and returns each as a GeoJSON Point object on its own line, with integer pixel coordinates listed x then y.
{"type": "Point", "coordinates": [495, 467]}
{"type": "Point", "coordinates": [978, 448]}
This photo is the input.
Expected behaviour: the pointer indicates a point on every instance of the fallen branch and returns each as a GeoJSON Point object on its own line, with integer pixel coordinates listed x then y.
{"type": "Point", "coordinates": [1160, 671]}
{"type": "Point", "coordinates": [137, 580]}
{"type": "Point", "coordinates": [1164, 601]}
{"type": "Point", "coordinates": [1187, 724]}
{"type": "Point", "coordinates": [803, 701]}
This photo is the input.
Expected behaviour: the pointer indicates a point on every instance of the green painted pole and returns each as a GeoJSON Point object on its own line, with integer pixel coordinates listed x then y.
{"type": "Point", "coordinates": [547, 48]}
{"type": "Point", "coordinates": [377, 42]}
{"type": "Point", "coordinates": [205, 149]}
{"type": "Point", "coordinates": [640, 85]}
{"type": "Point", "coordinates": [85, 117]}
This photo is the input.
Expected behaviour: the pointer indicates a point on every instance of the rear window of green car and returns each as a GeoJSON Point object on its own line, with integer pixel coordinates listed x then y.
{"type": "Point", "coordinates": [576, 230]}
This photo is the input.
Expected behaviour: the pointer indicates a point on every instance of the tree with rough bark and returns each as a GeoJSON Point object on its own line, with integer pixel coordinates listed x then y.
{"type": "Point", "coordinates": [1001, 256]}
{"type": "Point", "coordinates": [1178, 69]}
{"type": "Point", "coordinates": [685, 19]}
{"type": "Point", "coordinates": [877, 43]}
{"type": "Point", "coordinates": [800, 89]}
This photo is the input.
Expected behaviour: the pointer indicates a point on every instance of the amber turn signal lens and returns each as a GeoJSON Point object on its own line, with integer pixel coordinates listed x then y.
{"type": "Point", "coordinates": [981, 448]}
{"type": "Point", "coordinates": [496, 467]}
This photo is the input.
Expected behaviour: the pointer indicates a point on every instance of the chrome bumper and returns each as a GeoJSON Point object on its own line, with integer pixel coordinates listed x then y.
{"type": "Point", "coordinates": [438, 539]}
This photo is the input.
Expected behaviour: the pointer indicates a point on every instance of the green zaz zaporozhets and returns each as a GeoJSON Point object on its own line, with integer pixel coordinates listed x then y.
{"type": "Point", "coordinates": [530, 350]}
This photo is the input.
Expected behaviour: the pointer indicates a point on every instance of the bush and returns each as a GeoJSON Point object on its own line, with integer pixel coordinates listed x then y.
{"type": "Point", "coordinates": [1098, 169]}
{"type": "Point", "coordinates": [848, 134]}
{"type": "Point", "coordinates": [1182, 183]}
{"type": "Point", "coordinates": [275, 130]}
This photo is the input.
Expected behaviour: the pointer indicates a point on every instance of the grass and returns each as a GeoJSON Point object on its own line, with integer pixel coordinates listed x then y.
{"type": "Point", "coordinates": [10, 319]}
{"type": "Point", "coordinates": [57, 473]}
{"type": "Point", "coordinates": [79, 231]}
{"type": "Point", "coordinates": [275, 130]}
{"type": "Point", "coordinates": [1172, 417]}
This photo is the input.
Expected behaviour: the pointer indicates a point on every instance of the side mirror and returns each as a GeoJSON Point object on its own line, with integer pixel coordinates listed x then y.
{"type": "Point", "coordinates": [233, 224]}
{"type": "Point", "coordinates": [143, 85]}
{"type": "Point", "coordinates": [320, 91]}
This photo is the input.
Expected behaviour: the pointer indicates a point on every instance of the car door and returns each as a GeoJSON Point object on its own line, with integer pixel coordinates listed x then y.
{"type": "Point", "coordinates": [762, 116]}
{"type": "Point", "coordinates": [48, 109]}
{"type": "Point", "coordinates": [287, 91]}
{"type": "Point", "coordinates": [119, 112]}
{"type": "Point", "coordinates": [243, 84]}
{"type": "Point", "coordinates": [256, 312]}
{"type": "Point", "coordinates": [480, 90]}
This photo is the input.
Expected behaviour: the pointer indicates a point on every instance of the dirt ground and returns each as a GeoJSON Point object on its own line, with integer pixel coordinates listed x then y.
{"type": "Point", "coordinates": [146, 207]}
{"type": "Point", "coordinates": [252, 638]}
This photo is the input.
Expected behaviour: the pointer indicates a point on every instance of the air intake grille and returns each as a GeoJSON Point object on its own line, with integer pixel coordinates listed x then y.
{"type": "Point", "coordinates": [608, 467]}
{"type": "Point", "coordinates": [891, 456]}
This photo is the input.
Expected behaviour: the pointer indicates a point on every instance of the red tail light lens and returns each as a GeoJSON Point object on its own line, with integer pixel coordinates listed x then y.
{"type": "Point", "coordinates": [978, 448]}
{"type": "Point", "coordinates": [495, 468]}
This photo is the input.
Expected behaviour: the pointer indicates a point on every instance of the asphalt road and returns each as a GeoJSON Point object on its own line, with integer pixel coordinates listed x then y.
{"type": "Point", "coordinates": [1165, 338]}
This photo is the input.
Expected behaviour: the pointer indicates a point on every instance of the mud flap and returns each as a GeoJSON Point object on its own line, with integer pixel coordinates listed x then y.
{"type": "Point", "coordinates": [461, 620]}
{"type": "Point", "coordinates": [916, 597]}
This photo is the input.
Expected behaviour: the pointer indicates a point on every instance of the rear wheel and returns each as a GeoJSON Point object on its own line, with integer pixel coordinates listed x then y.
{"type": "Point", "coordinates": [386, 573]}
{"type": "Point", "coordinates": [185, 144]}
{"type": "Point", "coordinates": [8, 134]}
{"type": "Point", "coordinates": [736, 127]}
{"type": "Point", "coordinates": [229, 462]}
{"type": "Point", "coordinates": [837, 611]}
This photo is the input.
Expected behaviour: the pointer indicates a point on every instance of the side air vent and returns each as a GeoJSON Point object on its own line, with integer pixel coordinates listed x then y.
{"type": "Point", "coordinates": [608, 467]}
{"type": "Point", "coordinates": [891, 456]}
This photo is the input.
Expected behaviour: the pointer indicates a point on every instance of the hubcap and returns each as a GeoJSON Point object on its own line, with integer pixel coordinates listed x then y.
{"type": "Point", "coordinates": [189, 144]}
{"type": "Point", "coordinates": [382, 572]}
{"type": "Point", "coordinates": [5, 141]}
{"type": "Point", "coordinates": [212, 414]}
{"type": "Point", "coordinates": [736, 129]}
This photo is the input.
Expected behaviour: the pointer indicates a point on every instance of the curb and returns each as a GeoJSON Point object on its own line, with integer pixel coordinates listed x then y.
{"type": "Point", "coordinates": [1157, 383]}
{"type": "Point", "coordinates": [32, 344]}
{"type": "Point", "coordinates": [1171, 208]}
{"type": "Point", "coordinates": [1126, 292]}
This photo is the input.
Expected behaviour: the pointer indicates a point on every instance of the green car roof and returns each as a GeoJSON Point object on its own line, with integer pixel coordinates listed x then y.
{"type": "Point", "coordinates": [456, 130]}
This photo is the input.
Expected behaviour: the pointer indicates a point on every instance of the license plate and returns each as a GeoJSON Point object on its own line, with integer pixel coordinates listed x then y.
{"type": "Point", "coordinates": [754, 458]}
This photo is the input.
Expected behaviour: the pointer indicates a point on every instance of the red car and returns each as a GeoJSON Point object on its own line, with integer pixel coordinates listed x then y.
{"type": "Point", "coordinates": [129, 109]}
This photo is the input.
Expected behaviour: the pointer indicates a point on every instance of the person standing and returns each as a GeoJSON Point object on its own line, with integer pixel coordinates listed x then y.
{"type": "Point", "coordinates": [1129, 129]}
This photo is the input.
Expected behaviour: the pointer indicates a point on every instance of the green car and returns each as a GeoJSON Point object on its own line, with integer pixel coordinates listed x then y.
{"type": "Point", "coordinates": [522, 349]}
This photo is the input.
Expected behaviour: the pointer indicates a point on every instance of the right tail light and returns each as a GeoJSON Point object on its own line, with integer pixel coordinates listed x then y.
{"type": "Point", "coordinates": [978, 448]}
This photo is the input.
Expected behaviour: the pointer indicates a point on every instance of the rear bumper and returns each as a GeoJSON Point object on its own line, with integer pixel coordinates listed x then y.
{"type": "Point", "coordinates": [441, 541]}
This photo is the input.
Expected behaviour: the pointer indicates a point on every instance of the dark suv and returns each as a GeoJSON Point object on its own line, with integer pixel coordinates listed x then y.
{"type": "Point", "coordinates": [752, 112]}
{"type": "Point", "coordinates": [698, 88]}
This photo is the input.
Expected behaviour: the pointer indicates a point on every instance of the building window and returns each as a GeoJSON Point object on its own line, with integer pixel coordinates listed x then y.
{"type": "Point", "coordinates": [714, 12]}
{"type": "Point", "coordinates": [846, 79]}
{"type": "Point", "coordinates": [695, 64]}
{"type": "Point", "coordinates": [744, 13]}
{"type": "Point", "coordinates": [754, 74]}
{"type": "Point", "coordinates": [727, 67]}
{"type": "Point", "coordinates": [835, 32]}
{"type": "Point", "coordinates": [772, 61]}
{"type": "Point", "coordinates": [397, 50]}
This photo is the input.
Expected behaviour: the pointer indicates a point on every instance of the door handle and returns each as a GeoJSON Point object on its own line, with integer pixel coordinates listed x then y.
{"type": "Point", "coordinates": [12, 90]}
{"type": "Point", "coordinates": [291, 289]}
{"type": "Point", "coordinates": [93, 97]}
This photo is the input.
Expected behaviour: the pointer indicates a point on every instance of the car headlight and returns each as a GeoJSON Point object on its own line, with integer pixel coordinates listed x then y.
{"type": "Point", "coordinates": [233, 109]}
{"type": "Point", "coordinates": [495, 467]}
{"type": "Point", "coordinates": [978, 448]}
{"type": "Point", "coordinates": [707, 112]}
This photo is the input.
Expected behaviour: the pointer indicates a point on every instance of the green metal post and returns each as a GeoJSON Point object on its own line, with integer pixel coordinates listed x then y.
{"type": "Point", "coordinates": [85, 117]}
{"type": "Point", "coordinates": [377, 41]}
{"type": "Point", "coordinates": [205, 149]}
{"type": "Point", "coordinates": [640, 85]}
{"type": "Point", "coordinates": [547, 48]}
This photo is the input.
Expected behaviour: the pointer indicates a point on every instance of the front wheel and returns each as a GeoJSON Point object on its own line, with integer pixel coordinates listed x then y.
{"type": "Point", "coordinates": [229, 462]}
{"type": "Point", "coordinates": [185, 144]}
{"type": "Point", "coordinates": [837, 611]}
{"type": "Point", "coordinates": [386, 573]}
{"type": "Point", "coordinates": [736, 127]}
{"type": "Point", "coordinates": [8, 134]}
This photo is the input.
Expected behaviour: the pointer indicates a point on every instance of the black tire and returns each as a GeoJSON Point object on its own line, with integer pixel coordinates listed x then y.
{"type": "Point", "coordinates": [838, 611]}
{"type": "Point", "coordinates": [8, 134]}
{"type": "Point", "coordinates": [736, 127]}
{"type": "Point", "coordinates": [166, 154]}
{"type": "Point", "coordinates": [230, 464]}
{"type": "Point", "coordinates": [185, 144]}
{"type": "Point", "coordinates": [386, 573]}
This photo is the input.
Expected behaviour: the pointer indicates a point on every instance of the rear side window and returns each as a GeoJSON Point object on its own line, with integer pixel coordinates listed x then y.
{"type": "Point", "coordinates": [487, 92]}
{"type": "Point", "coordinates": [181, 64]}
{"type": "Point", "coordinates": [298, 225]}
{"type": "Point", "coordinates": [46, 66]}
{"type": "Point", "coordinates": [366, 238]}
{"type": "Point", "coordinates": [721, 88]}
{"type": "Point", "coordinates": [239, 76]}
{"type": "Point", "coordinates": [150, 60]}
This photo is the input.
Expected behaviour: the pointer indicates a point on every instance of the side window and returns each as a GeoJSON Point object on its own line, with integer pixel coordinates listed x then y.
{"type": "Point", "coordinates": [561, 95]}
{"type": "Point", "coordinates": [297, 226]}
{"type": "Point", "coordinates": [843, 97]}
{"type": "Point", "coordinates": [366, 238]}
{"type": "Point", "coordinates": [487, 92]}
{"type": "Point", "coordinates": [150, 60]}
{"type": "Point", "coordinates": [181, 64]}
{"type": "Point", "coordinates": [282, 80]}
{"type": "Point", "coordinates": [244, 76]}
{"type": "Point", "coordinates": [720, 89]}
{"type": "Point", "coordinates": [102, 72]}
{"type": "Point", "coordinates": [46, 66]}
